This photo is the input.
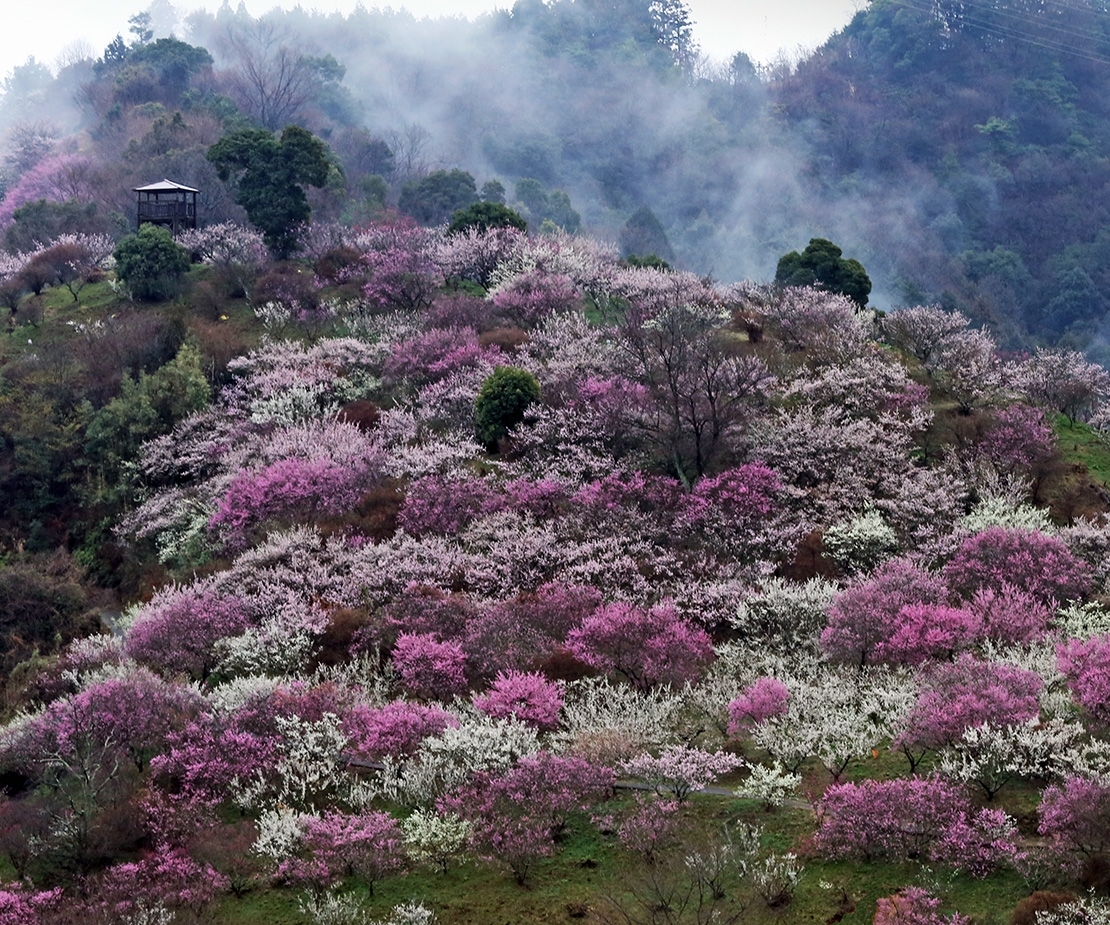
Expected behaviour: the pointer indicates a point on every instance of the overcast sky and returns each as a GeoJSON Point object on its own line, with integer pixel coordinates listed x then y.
{"type": "Point", "coordinates": [44, 28]}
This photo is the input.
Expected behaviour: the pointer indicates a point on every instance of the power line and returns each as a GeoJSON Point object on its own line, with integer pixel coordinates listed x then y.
{"type": "Point", "coordinates": [1015, 26]}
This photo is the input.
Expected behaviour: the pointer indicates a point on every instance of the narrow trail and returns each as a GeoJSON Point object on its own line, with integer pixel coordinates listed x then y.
{"type": "Point", "coordinates": [360, 765]}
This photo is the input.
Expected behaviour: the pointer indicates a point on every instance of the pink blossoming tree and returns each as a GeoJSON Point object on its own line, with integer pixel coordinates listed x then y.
{"type": "Point", "coordinates": [1040, 565]}
{"type": "Point", "coordinates": [912, 819]}
{"type": "Point", "coordinates": [763, 699]}
{"type": "Point", "coordinates": [516, 817]}
{"type": "Point", "coordinates": [395, 729]}
{"type": "Point", "coordinates": [527, 696]}
{"type": "Point", "coordinates": [649, 648]}
{"type": "Point", "coordinates": [336, 845]}
{"type": "Point", "coordinates": [861, 617]}
{"type": "Point", "coordinates": [968, 692]}
{"type": "Point", "coordinates": [1075, 814]}
{"type": "Point", "coordinates": [428, 668]}
{"type": "Point", "coordinates": [914, 906]}
{"type": "Point", "coordinates": [1086, 665]}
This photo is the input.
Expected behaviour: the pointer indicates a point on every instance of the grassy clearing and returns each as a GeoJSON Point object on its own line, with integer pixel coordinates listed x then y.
{"type": "Point", "coordinates": [591, 869]}
{"type": "Point", "coordinates": [1080, 444]}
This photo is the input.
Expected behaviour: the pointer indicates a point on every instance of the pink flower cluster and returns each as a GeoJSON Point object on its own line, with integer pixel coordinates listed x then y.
{"type": "Point", "coordinates": [288, 488]}
{"type": "Point", "coordinates": [648, 647]}
{"type": "Point", "coordinates": [764, 699]}
{"type": "Point", "coordinates": [912, 819]}
{"type": "Point", "coordinates": [525, 696]}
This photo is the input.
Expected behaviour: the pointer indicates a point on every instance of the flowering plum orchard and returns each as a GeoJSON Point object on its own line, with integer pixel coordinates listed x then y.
{"type": "Point", "coordinates": [696, 563]}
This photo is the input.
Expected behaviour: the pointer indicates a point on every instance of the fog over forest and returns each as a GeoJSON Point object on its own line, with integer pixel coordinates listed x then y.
{"type": "Point", "coordinates": [954, 149]}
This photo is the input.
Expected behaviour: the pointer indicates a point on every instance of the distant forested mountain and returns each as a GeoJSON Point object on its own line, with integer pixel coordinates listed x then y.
{"type": "Point", "coordinates": [994, 115]}
{"type": "Point", "coordinates": [958, 150]}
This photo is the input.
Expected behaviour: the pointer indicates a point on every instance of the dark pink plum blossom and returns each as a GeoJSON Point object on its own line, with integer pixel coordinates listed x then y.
{"type": "Point", "coordinates": [762, 700]}
{"type": "Point", "coordinates": [444, 506]}
{"type": "Point", "coordinates": [526, 696]}
{"type": "Point", "coordinates": [913, 819]}
{"type": "Point", "coordinates": [428, 668]}
{"type": "Point", "coordinates": [649, 648]}
{"type": "Point", "coordinates": [928, 632]}
{"type": "Point", "coordinates": [395, 729]}
{"type": "Point", "coordinates": [336, 846]}
{"type": "Point", "coordinates": [288, 489]}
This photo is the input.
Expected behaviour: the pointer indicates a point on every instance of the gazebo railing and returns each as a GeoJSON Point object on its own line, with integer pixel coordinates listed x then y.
{"type": "Point", "coordinates": [165, 211]}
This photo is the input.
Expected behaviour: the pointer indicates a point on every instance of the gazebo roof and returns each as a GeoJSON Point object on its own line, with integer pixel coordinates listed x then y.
{"type": "Point", "coordinates": [165, 186]}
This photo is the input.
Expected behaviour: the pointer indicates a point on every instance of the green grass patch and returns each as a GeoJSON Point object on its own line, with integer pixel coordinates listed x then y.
{"type": "Point", "coordinates": [590, 868]}
{"type": "Point", "coordinates": [59, 301]}
{"type": "Point", "coordinates": [262, 906]}
{"type": "Point", "coordinates": [1081, 444]}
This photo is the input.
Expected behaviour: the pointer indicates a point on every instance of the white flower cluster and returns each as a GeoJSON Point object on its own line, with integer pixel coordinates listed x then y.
{"type": "Point", "coordinates": [478, 743]}
{"type": "Point", "coordinates": [432, 837]}
{"type": "Point", "coordinates": [610, 721]}
{"type": "Point", "coordinates": [309, 767]}
{"type": "Point", "coordinates": [771, 785]}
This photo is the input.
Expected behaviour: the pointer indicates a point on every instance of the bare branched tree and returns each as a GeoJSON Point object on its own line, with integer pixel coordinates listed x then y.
{"type": "Point", "coordinates": [698, 388]}
{"type": "Point", "coordinates": [408, 145]}
{"type": "Point", "coordinates": [271, 79]}
{"type": "Point", "coordinates": [673, 893]}
{"type": "Point", "coordinates": [28, 143]}
{"type": "Point", "coordinates": [76, 52]}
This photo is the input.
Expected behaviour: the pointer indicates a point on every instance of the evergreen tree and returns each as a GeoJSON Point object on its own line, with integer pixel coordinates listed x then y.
{"type": "Point", "coordinates": [271, 173]}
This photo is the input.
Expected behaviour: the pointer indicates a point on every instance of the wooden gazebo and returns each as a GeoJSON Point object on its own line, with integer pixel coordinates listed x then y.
{"type": "Point", "coordinates": [167, 203]}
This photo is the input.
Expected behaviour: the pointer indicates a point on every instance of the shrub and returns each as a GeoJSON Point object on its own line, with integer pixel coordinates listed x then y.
{"type": "Point", "coordinates": [151, 264]}
{"type": "Point", "coordinates": [502, 401]}
{"type": "Point", "coordinates": [42, 600]}
{"type": "Point", "coordinates": [290, 285]}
